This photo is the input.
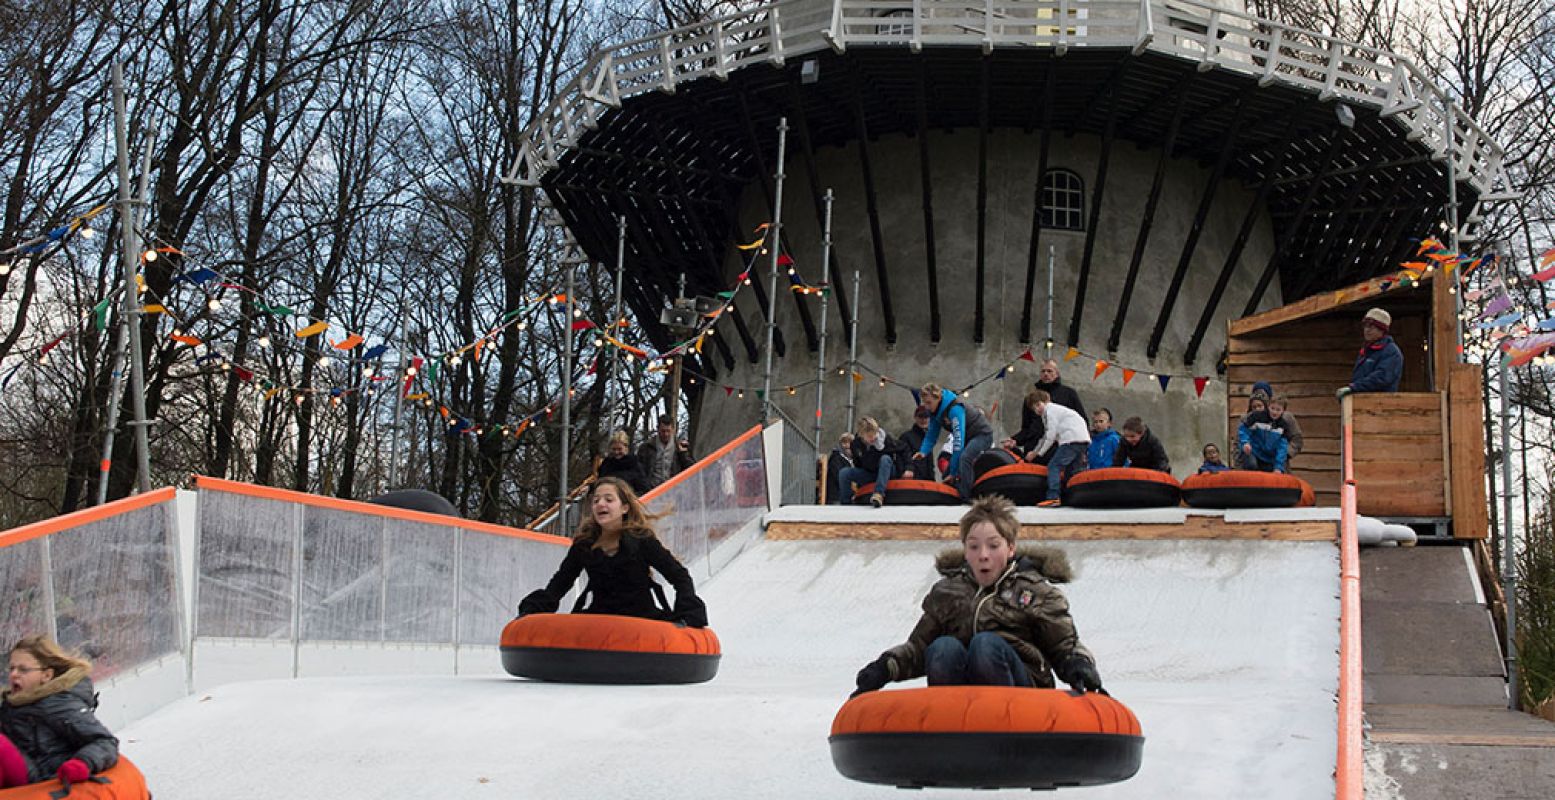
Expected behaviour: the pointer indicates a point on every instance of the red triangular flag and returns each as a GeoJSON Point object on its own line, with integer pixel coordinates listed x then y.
{"type": "Point", "coordinates": [244, 375]}
{"type": "Point", "coordinates": [1198, 386]}
{"type": "Point", "coordinates": [582, 324]}
{"type": "Point", "coordinates": [784, 260]}
{"type": "Point", "coordinates": [728, 390]}
{"type": "Point", "coordinates": [1128, 375]}
{"type": "Point", "coordinates": [1101, 366]}
{"type": "Point", "coordinates": [1027, 356]}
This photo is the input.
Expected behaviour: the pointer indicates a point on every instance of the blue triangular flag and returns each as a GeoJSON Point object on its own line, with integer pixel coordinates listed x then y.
{"type": "Point", "coordinates": [374, 351]}
{"type": "Point", "coordinates": [1164, 379]}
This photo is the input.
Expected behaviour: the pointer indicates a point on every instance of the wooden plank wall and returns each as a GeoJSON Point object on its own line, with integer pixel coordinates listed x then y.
{"type": "Point", "coordinates": [1400, 460]}
{"type": "Point", "coordinates": [1470, 508]}
{"type": "Point", "coordinates": [1308, 360]}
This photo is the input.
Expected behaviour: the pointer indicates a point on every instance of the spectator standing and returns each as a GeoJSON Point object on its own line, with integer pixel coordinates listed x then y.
{"type": "Point", "coordinates": [665, 455]}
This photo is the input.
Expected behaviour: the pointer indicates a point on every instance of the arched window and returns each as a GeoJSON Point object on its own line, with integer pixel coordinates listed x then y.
{"type": "Point", "coordinates": [900, 23]}
{"type": "Point", "coordinates": [1063, 200]}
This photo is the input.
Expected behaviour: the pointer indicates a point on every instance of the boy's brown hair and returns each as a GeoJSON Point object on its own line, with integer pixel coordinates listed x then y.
{"type": "Point", "coordinates": [995, 510]}
{"type": "Point", "coordinates": [1134, 425]}
{"type": "Point", "coordinates": [1281, 400]}
{"type": "Point", "coordinates": [1036, 396]}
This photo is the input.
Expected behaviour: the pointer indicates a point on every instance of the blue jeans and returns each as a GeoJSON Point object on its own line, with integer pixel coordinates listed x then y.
{"type": "Point", "coordinates": [988, 661]}
{"type": "Point", "coordinates": [861, 476]}
{"type": "Point", "coordinates": [969, 452]}
{"type": "Point", "coordinates": [1066, 461]}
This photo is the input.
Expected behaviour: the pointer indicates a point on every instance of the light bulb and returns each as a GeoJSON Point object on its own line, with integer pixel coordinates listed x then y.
{"type": "Point", "coordinates": [522, 325]}
{"type": "Point", "coordinates": [264, 341]}
{"type": "Point", "coordinates": [455, 361]}
{"type": "Point", "coordinates": [150, 255]}
{"type": "Point", "coordinates": [214, 304]}
{"type": "Point", "coordinates": [367, 372]}
{"type": "Point", "coordinates": [410, 370]}
{"type": "Point", "coordinates": [747, 281]}
{"type": "Point", "coordinates": [325, 361]}
{"type": "Point", "coordinates": [742, 394]}
{"type": "Point", "coordinates": [598, 342]}
{"type": "Point", "coordinates": [87, 233]}
{"type": "Point", "coordinates": [5, 269]}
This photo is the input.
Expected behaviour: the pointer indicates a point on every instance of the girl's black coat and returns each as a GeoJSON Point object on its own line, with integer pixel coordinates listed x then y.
{"type": "Point", "coordinates": [621, 583]}
{"type": "Point", "coordinates": [58, 726]}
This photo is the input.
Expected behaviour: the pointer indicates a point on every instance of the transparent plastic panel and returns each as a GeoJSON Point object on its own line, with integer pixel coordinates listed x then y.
{"type": "Point", "coordinates": [245, 566]}
{"type": "Point", "coordinates": [495, 573]}
{"type": "Point", "coordinates": [419, 604]}
{"type": "Point", "coordinates": [115, 591]}
{"type": "Point", "coordinates": [707, 506]}
{"type": "Point", "coordinates": [343, 581]}
{"type": "Point", "coordinates": [21, 584]}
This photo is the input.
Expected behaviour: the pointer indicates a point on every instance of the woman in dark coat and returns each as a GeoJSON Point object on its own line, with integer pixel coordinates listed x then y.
{"type": "Point", "coordinates": [620, 463]}
{"type": "Point", "coordinates": [47, 728]}
{"type": "Point", "coordinates": [616, 545]}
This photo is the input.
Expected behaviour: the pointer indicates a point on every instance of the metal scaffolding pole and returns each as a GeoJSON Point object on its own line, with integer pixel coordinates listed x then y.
{"type": "Point", "coordinates": [1508, 556]}
{"type": "Point", "coordinates": [615, 313]}
{"type": "Point", "coordinates": [1452, 228]}
{"type": "Point", "coordinates": [852, 357]}
{"type": "Point", "coordinates": [774, 248]}
{"type": "Point", "coordinates": [130, 239]}
{"type": "Point", "coordinates": [566, 401]}
{"type": "Point", "coordinates": [820, 358]}
{"type": "Point", "coordinates": [1047, 344]}
{"type": "Point", "coordinates": [399, 395]}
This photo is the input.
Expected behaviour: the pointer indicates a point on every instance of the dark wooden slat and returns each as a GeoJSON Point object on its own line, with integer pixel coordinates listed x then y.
{"type": "Point", "coordinates": [1098, 186]}
{"type": "Point", "coordinates": [930, 258]}
{"type": "Point", "coordinates": [979, 316]}
{"type": "Point", "coordinates": [873, 208]}
{"type": "Point", "coordinates": [1148, 218]}
{"type": "Point", "coordinates": [1196, 229]}
{"type": "Point", "coordinates": [1036, 206]}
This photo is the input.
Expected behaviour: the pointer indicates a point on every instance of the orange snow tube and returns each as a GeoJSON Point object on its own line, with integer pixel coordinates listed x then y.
{"type": "Point", "coordinates": [605, 648]}
{"type": "Point", "coordinates": [910, 492]}
{"type": "Point", "coordinates": [1242, 489]}
{"type": "Point", "coordinates": [1123, 487]}
{"type": "Point", "coordinates": [1024, 484]}
{"type": "Point", "coordinates": [986, 737]}
{"type": "Point", "coordinates": [122, 781]}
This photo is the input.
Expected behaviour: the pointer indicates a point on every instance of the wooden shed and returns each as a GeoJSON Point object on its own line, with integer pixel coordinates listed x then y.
{"type": "Point", "coordinates": [1420, 452]}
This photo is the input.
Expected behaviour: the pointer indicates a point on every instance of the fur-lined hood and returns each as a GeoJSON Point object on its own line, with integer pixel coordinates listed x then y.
{"type": "Point", "coordinates": [1049, 562]}
{"type": "Point", "coordinates": [75, 679]}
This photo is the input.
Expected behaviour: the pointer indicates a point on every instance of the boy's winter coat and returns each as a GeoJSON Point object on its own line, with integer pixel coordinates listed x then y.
{"type": "Point", "coordinates": [54, 723]}
{"type": "Point", "coordinates": [1024, 607]}
{"type": "Point", "coordinates": [867, 456]}
{"type": "Point", "coordinates": [1268, 436]}
{"type": "Point", "coordinates": [620, 583]}
{"type": "Point", "coordinates": [964, 422]}
{"type": "Point", "coordinates": [1103, 447]}
{"type": "Point", "coordinates": [1149, 453]}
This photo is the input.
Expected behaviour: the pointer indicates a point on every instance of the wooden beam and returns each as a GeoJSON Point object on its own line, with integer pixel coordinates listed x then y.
{"type": "Point", "coordinates": [978, 318]}
{"type": "Point", "coordinates": [1036, 207]}
{"type": "Point", "coordinates": [930, 261]}
{"type": "Point", "coordinates": [1196, 229]}
{"type": "Point", "coordinates": [1289, 234]}
{"type": "Point", "coordinates": [861, 130]}
{"type": "Point", "coordinates": [1470, 509]}
{"type": "Point", "coordinates": [1258, 205]}
{"type": "Point", "coordinates": [1363, 293]}
{"type": "Point", "coordinates": [1098, 186]}
{"type": "Point", "coordinates": [1148, 218]}
{"type": "Point", "coordinates": [1195, 527]}
{"type": "Point", "coordinates": [817, 199]}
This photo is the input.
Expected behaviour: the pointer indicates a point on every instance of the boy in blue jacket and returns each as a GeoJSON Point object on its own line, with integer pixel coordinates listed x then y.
{"type": "Point", "coordinates": [1265, 439]}
{"type": "Point", "coordinates": [970, 434]}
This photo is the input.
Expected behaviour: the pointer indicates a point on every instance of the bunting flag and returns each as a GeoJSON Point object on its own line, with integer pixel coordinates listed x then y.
{"type": "Point", "coordinates": [185, 339]}
{"type": "Point", "coordinates": [374, 352]}
{"type": "Point", "coordinates": [198, 276]}
{"type": "Point", "coordinates": [1545, 274]}
{"type": "Point", "coordinates": [417, 396]}
{"type": "Point", "coordinates": [313, 330]}
{"type": "Point", "coordinates": [1164, 379]}
{"type": "Point", "coordinates": [784, 260]}
{"type": "Point", "coordinates": [244, 375]}
{"type": "Point", "coordinates": [1198, 385]}
{"type": "Point", "coordinates": [522, 426]}
{"type": "Point", "coordinates": [153, 308]}
{"type": "Point", "coordinates": [476, 355]}
{"type": "Point", "coordinates": [1128, 375]}
{"type": "Point", "coordinates": [1002, 372]}
{"type": "Point", "coordinates": [275, 310]}
{"type": "Point", "coordinates": [857, 377]}
{"type": "Point", "coordinates": [1101, 366]}
{"type": "Point", "coordinates": [100, 313]}
{"type": "Point", "coordinates": [351, 341]}
{"type": "Point", "coordinates": [1027, 356]}
{"type": "Point", "coordinates": [582, 324]}
{"type": "Point", "coordinates": [1500, 322]}
{"type": "Point", "coordinates": [636, 351]}
{"type": "Point", "coordinates": [1547, 258]}
{"type": "Point", "coordinates": [728, 390]}
{"type": "Point", "coordinates": [44, 351]}
{"type": "Point", "coordinates": [1497, 304]}
{"type": "Point", "coordinates": [1071, 355]}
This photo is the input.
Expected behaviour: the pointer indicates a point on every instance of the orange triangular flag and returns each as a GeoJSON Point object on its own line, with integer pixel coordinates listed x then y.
{"type": "Point", "coordinates": [1101, 366]}
{"type": "Point", "coordinates": [1071, 355]}
{"type": "Point", "coordinates": [351, 340]}
{"type": "Point", "coordinates": [1128, 375]}
{"type": "Point", "coordinates": [188, 340]}
{"type": "Point", "coordinates": [857, 377]}
{"type": "Point", "coordinates": [478, 344]}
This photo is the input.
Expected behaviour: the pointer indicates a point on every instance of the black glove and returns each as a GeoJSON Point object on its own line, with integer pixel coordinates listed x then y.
{"type": "Point", "coordinates": [1080, 673]}
{"type": "Point", "coordinates": [875, 675]}
{"type": "Point", "coordinates": [538, 601]}
{"type": "Point", "coordinates": [689, 611]}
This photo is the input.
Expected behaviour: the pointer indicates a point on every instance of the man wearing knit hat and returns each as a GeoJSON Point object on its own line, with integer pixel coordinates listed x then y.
{"type": "Point", "coordinates": [1380, 363]}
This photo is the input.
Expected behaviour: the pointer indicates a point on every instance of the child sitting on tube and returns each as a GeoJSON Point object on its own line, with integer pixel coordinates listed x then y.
{"type": "Point", "coordinates": [47, 725]}
{"type": "Point", "coordinates": [995, 618]}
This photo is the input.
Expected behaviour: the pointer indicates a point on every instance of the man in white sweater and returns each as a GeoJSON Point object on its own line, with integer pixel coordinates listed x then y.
{"type": "Point", "coordinates": [1064, 432]}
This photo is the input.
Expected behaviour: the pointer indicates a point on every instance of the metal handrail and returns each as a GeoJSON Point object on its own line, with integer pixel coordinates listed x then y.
{"type": "Point", "coordinates": [1349, 766]}
{"type": "Point", "coordinates": [771, 33]}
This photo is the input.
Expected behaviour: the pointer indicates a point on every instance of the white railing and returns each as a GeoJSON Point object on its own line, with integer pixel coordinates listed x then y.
{"type": "Point", "coordinates": [1215, 37]}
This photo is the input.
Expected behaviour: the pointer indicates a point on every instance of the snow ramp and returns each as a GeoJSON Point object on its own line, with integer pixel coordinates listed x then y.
{"type": "Point", "coordinates": [1225, 649]}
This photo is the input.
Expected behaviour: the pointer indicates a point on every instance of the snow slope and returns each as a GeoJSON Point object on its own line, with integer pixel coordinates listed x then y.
{"type": "Point", "coordinates": [1226, 650]}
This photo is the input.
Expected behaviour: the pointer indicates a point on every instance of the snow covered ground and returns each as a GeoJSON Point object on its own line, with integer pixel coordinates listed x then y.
{"type": "Point", "coordinates": [1226, 650]}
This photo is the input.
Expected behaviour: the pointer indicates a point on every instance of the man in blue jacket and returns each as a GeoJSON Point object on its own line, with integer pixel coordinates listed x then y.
{"type": "Point", "coordinates": [1380, 363]}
